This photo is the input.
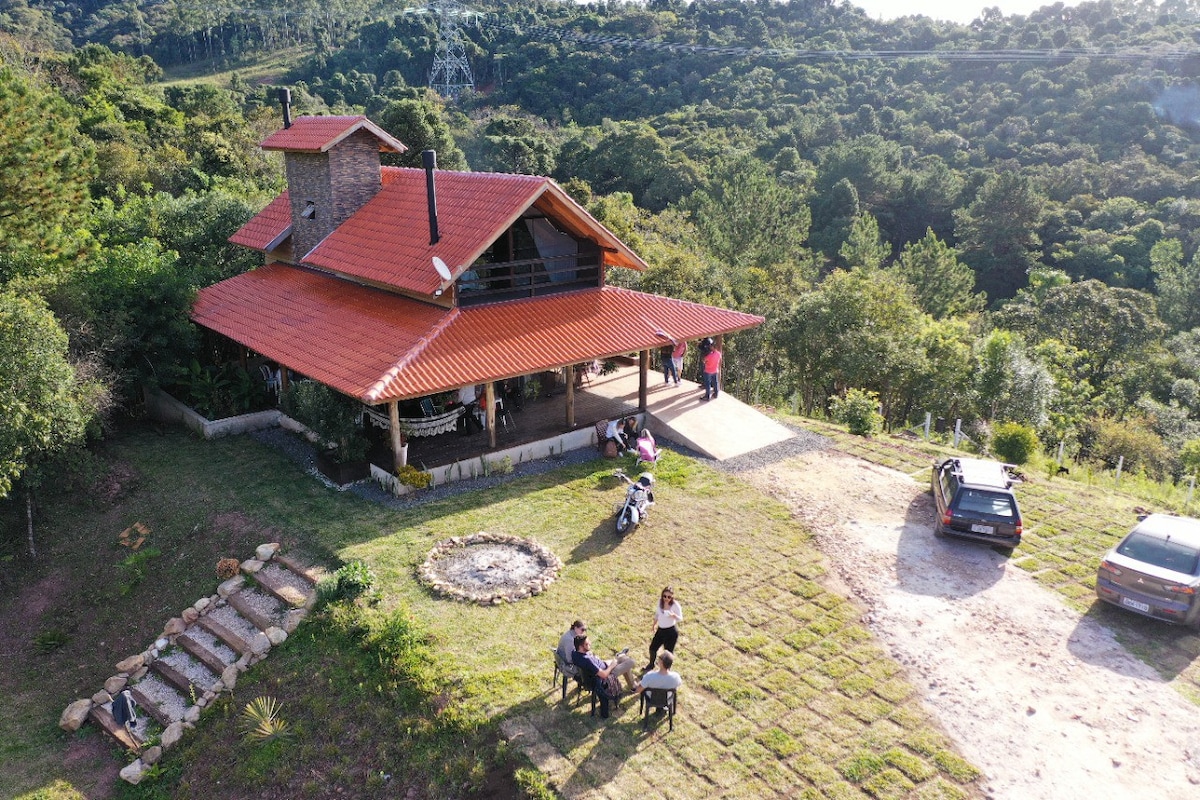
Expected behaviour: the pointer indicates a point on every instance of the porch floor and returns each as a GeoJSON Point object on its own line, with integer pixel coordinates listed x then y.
{"type": "Point", "coordinates": [540, 418]}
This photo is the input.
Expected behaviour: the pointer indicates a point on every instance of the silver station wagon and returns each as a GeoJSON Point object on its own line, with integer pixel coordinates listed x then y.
{"type": "Point", "coordinates": [1155, 570]}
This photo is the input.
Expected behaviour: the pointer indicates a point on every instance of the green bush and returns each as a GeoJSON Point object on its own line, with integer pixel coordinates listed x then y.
{"type": "Point", "coordinates": [331, 416]}
{"type": "Point", "coordinates": [858, 410]}
{"type": "Point", "coordinates": [1108, 440]}
{"type": "Point", "coordinates": [411, 476]}
{"type": "Point", "coordinates": [352, 581]}
{"type": "Point", "coordinates": [1014, 442]}
{"type": "Point", "coordinates": [1189, 457]}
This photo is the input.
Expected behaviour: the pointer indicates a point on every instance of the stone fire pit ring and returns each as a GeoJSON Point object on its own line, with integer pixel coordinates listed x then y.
{"type": "Point", "coordinates": [489, 568]}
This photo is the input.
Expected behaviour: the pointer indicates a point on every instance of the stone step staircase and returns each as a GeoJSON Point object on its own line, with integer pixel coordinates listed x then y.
{"type": "Point", "coordinates": [201, 653]}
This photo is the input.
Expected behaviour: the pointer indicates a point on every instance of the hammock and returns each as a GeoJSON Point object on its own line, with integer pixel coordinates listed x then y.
{"type": "Point", "coordinates": [418, 426]}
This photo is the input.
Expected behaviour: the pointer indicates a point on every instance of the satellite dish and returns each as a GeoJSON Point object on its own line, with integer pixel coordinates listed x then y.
{"type": "Point", "coordinates": [442, 269]}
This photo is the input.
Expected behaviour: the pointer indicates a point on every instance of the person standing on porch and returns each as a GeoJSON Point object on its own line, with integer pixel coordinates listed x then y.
{"type": "Point", "coordinates": [712, 367]}
{"type": "Point", "coordinates": [468, 398]}
{"type": "Point", "coordinates": [668, 364]}
{"type": "Point", "coordinates": [677, 354]}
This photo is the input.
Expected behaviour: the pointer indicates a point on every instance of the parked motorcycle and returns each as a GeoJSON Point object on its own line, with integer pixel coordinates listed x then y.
{"type": "Point", "coordinates": [638, 500]}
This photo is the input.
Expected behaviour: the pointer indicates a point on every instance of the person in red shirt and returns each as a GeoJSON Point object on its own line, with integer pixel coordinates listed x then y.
{"type": "Point", "coordinates": [712, 366]}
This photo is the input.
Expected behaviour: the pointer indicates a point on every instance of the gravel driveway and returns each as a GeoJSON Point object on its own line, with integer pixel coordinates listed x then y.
{"type": "Point", "coordinates": [1043, 700]}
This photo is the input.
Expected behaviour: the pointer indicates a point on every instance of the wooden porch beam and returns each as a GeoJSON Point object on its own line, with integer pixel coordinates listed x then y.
{"type": "Point", "coordinates": [399, 452]}
{"type": "Point", "coordinates": [570, 396]}
{"type": "Point", "coordinates": [489, 394]}
{"type": "Point", "coordinates": [643, 371]}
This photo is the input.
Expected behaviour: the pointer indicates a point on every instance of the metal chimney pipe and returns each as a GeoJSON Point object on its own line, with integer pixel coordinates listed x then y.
{"type": "Point", "coordinates": [285, 100]}
{"type": "Point", "coordinates": [429, 161]}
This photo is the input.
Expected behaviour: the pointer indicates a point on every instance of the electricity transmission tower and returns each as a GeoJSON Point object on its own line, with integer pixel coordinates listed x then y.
{"type": "Point", "coordinates": [451, 73]}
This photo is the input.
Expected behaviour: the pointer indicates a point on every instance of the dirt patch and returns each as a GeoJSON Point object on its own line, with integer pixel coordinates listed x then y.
{"type": "Point", "coordinates": [1043, 700]}
{"type": "Point", "coordinates": [117, 481]}
{"type": "Point", "coordinates": [20, 620]}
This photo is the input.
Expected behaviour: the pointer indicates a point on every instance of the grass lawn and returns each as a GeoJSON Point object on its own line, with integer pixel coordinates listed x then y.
{"type": "Point", "coordinates": [1070, 523]}
{"type": "Point", "coordinates": [785, 693]}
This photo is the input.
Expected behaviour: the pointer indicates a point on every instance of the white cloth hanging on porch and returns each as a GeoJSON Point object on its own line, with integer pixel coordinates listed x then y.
{"type": "Point", "coordinates": [418, 426]}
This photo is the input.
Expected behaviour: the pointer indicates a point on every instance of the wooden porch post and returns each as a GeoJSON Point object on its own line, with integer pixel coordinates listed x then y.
{"type": "Point", "coordinates": [570, 395]}
{"type": "Point", "coordinates": [643, 371]}
{"type": "Point", "coordinates": [399, 452]}
{"type": "Point", "coordinates": [283, 379]}
{"type": "Point", "coordinates": [490, 394]}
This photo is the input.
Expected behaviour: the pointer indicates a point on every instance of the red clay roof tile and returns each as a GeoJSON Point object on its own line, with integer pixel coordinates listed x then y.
{"type": "Point", "coordinates": [377, 346]}
{"type": "Point", "coordinates": [267, 229]}
{"type": "Point", "coordinates": [319, 134]}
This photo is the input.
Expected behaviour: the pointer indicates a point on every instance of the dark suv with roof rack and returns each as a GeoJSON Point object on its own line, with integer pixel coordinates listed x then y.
{"type": "Point", "coordinates": [975, 500]}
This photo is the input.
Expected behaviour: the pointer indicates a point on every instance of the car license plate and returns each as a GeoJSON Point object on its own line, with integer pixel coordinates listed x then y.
{"type": "Point", "coordinates": [1134, 604]}
{"type": "Point", "coordinates": [982, 529]}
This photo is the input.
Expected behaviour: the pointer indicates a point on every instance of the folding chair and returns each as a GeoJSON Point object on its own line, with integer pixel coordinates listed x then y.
{"type": "Point", "coordinates": [503, 415]}
{"type": "Point", "coordinates": [566, 670]}
{"type": "Point", "coordinates": [657, 698]}
{"type": "Point", "coordinates": [427, 407]}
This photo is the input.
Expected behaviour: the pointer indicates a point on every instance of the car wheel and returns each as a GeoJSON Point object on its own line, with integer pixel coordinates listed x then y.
{"type": "Point", "coordinates": [1004, 551]}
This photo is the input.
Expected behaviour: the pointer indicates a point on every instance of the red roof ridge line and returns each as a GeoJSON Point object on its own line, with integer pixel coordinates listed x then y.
{"type": "Point", "coordinates": [425, 341]}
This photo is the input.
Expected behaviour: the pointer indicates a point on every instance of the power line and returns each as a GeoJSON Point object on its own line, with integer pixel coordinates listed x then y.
{"type": "Point", "coordinates": [1057, 54]}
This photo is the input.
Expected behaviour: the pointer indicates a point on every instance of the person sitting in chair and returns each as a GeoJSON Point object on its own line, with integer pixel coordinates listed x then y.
{"type": "Point", "coordinates": [566, 644]}
{"type": "Point", "coordinates": [601, 675]}
{"type": "Point", "coordinates": [663, 677]}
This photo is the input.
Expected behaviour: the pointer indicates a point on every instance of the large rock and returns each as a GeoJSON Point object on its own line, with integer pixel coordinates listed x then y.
{"type": "Point", "coordinates": [131, 664]}
{"type": "Point", "coordinates": [191, 715]}
{"type": "Point", "coordinates": [276, 636]}
{"type": "Point", "coordinates": [175, 625]}
{"type": "Point", "coordinates": [231, 586]}
{"type": "Point", "coordinates": [101, 697]}
{"type": "Point", "coordinates": [251, 565]}
{"type": "Point", "coordinates": [229, 676]}
{"type": "Point", "coordinates": [265, 552]}
{"type": "Point", "coordinates": [202, 604]}
{"type": "Point", "coordinates": [172, 735]}
{"type": "Point", "coordinates": [293, 618]}
{"type": "Point", "coordinates": [259, 644]}
{"type": "Point", "coordinates": [115, 684]}
{"type": "Point", "coordinates": [152, 755]}
{"type": "Point", "coordinates": [190, 615]}
{"type": "Point", "coordinates": [74, 715]}
{"type": "Point", "coordinates": [134, 772]}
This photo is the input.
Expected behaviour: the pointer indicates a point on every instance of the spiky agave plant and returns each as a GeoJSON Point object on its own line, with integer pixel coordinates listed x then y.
{"type": "Point", "coordinates": [260, 720]}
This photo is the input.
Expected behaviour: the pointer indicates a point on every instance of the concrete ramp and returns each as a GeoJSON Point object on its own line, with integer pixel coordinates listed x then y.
{"type": "Point", "coordinates": [721, 429]}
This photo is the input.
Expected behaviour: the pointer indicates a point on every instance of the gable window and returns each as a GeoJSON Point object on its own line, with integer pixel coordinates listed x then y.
{"type": "Point", "coordinates": [531, 258]}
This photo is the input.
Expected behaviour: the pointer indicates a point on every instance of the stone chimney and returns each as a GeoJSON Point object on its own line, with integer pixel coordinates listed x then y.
{"type": "Point", "coordinates": [326, 188]}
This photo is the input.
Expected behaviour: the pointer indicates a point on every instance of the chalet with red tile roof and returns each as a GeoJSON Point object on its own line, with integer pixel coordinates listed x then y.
{"type": "Point", "coordinates": [388, 283]}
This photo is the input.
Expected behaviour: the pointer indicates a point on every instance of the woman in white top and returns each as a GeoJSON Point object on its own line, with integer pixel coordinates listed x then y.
{"type": "Point", "coordinates": [667, 616]}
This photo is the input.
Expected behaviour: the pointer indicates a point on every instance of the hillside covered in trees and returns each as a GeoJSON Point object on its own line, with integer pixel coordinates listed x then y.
{"type": "Point", "coordinates": [996, 222]}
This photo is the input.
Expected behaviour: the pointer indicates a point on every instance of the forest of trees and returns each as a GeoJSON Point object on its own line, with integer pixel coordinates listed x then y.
{"type": "Point", "coordinates": [996, 221]}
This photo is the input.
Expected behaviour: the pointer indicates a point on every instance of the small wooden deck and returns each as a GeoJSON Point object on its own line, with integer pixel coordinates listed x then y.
{"type": "Point", "coordinates": [538, 419]}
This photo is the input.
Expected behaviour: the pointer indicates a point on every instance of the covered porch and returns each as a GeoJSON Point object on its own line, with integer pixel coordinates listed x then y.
{"type": "Point", "coordinates": [534, 419]}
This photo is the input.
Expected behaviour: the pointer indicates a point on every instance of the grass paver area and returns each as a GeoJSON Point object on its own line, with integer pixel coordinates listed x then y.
{"type": "Point", "coordinates": [1069, 525]}
{"type": "Point", "coordinates": [785, 694]}
{"type": "Point", "coordinates": [774, 663]}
